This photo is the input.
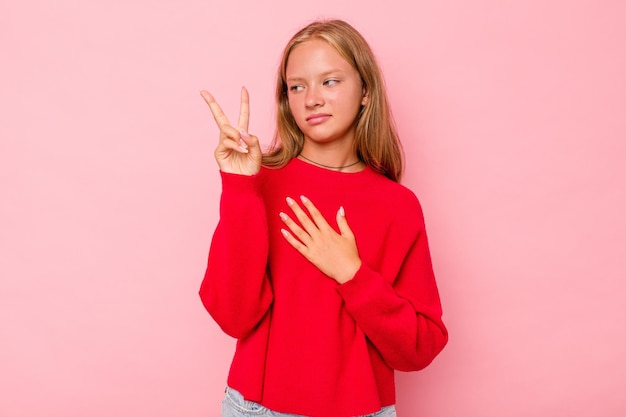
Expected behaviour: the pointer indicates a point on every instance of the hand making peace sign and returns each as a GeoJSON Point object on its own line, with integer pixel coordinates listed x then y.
{"type": "Point", "coordinates": [237, 152]}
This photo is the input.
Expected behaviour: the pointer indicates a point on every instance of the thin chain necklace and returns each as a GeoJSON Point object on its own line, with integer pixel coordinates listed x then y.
{"type": "Point", "coordinates": [328, 166]}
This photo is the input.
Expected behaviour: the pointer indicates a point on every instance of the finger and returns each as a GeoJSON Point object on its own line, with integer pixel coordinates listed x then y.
{"type": "Point", "coordinates": [303, 236]}
{"type": "Point", "coordinates": [302, 217]}
{"type": "Point", "coordinates": [293, 241]}
{"type": "Point", "coordinates": [342, 222]}
{"type": "Point", "coordinates": [246, 140]}
{"type": "Point", "coordinates": [244, 110]}
{"type": "Point", "coordinates": [216, 110]}
{"type": "Point", "coordinates": [232, 145]}
{"type": "Point", "coordinates": [230, 133]}
{"type": "Point", "coordinates": [317, 217]}
{"type": "Point", "coordinates": [227, 131]}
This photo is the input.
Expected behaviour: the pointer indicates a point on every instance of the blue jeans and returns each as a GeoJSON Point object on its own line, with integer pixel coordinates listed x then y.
{"type": "Point", "coordinates": [234, 405]}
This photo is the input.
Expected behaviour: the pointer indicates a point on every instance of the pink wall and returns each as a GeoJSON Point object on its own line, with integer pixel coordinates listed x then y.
{"type": "Point", "coordinates": [513, 119]}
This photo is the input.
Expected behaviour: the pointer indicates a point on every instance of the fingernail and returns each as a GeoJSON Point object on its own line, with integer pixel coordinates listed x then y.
{"type": "Point", "coordinates": [284, 232]}
{"type": "Point", "coordinates": [242, 149]}
{"type": "Point", "coordinates": [244, 134]}
{"type": "Point", "coordinates": [342, 212]}
{"type": "Point", "coordinates": [304, 199]}
{"type": "Point", "coordinates": [283, 216]}
{"type": "Point", "coordinates": [290, 201]}
{"type": "Point", "coordinates": [243, 144]}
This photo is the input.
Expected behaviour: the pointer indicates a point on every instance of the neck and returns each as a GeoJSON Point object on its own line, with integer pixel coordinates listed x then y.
{"type": "Point", "coordinates": [336, 168]}
{"type": "Point", "coordinates": [337, 158]}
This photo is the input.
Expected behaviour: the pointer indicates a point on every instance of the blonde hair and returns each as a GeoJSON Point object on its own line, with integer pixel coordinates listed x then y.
{"type": "Point", "coordinates": [376, 140]}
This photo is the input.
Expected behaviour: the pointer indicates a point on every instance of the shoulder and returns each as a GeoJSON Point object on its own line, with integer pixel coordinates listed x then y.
{"type": "Point", "coordinates": [398, 194]}
{"type": "Point", "coordinates": [403, 208]}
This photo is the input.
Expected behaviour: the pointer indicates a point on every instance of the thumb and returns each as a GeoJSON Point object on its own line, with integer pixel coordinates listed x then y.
{"type": "Point", "coordinates": [342, 222]}
{"type": "Point", "coordinates": [252, 144]}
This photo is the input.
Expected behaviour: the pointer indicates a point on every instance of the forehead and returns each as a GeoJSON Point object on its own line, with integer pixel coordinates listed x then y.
{"type": "Point", "coordinates": [315, 55]}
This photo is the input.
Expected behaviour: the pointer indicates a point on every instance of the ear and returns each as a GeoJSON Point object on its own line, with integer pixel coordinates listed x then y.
{"type": "Point", "coordinates": [366, 96]}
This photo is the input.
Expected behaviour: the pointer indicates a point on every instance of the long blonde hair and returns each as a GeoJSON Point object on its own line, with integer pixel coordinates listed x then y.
{"type": "Point", "coordinates": [376, 140]}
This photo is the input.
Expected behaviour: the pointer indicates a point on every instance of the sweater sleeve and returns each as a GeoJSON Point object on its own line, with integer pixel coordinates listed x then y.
{"type": "Point", "coordinates": [402, 318]}
{"type": "Point", "coordinates": [236, 290]}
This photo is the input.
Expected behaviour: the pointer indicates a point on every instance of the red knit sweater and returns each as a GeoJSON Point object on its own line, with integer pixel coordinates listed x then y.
{"type": "Point", "coordinates": [307, 345]}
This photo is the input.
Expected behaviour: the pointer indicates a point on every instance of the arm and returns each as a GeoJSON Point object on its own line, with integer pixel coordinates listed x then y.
{"type": "Point", "coordinates": [235, 290]}
{"type": "Point", "coordinates": [403, 320]}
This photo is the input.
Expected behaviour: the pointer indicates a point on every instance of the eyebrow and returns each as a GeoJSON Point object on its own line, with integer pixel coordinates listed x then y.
{"type": "Point", "coordinates": [323, 75]}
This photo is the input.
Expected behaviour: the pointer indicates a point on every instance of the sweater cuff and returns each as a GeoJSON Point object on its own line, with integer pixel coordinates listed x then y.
{"type": "Point", "coordinates": [364, 288]}
{"type": "Point", "coordinates": [236, 184]}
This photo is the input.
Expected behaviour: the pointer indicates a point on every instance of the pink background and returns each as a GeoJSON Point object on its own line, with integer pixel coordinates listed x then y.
{"type": "Point", "coordinates": [513, 120]}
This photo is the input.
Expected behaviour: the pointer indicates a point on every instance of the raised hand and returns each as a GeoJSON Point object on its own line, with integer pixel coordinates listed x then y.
{"type": "Point", "coordinates": [336, 255]}
{"type": "Point", "coordinates": [237, 151]}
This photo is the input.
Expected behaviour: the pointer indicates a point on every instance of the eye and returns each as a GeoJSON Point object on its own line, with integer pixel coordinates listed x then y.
{"type": "Point", "coordinates": [331, 82]}
{"type": "Point", "coordinates": [295, 88]}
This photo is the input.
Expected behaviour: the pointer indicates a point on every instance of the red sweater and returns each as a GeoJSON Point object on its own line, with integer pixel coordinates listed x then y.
{"type": "Point", "coordinates": [306, 344]}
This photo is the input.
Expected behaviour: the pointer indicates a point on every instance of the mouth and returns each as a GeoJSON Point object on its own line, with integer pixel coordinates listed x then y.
{"type": "Point", "coordinates": [317, 118]}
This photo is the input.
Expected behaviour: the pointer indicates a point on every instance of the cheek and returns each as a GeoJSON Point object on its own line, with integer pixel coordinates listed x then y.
{"type": "Point", "coordinates": [344, 99]}
{"type": "Point", "coordinates": [296, 112]}
{"type": "Point", "coordinates": [294, 105]}
{"type": "Point", "coordinates": [336, 99]}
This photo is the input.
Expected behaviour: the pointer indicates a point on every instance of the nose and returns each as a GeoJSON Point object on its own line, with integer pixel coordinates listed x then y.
{"type": "Point", "coordinates": [313, 97]}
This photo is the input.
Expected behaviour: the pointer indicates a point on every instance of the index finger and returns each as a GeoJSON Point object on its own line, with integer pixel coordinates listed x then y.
{"type": "Point", "coordinates": [306, 222]}
{"type": "Point", "coordinates": [244, 110]}
{"type": "Point", "coordinates": [216, 110]}
{"type": "Point", "coordinates": [319, 220]}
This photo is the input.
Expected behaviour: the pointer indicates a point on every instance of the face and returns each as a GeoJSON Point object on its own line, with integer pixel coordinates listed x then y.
{"type": "Point", "coordinates": [325, 93]}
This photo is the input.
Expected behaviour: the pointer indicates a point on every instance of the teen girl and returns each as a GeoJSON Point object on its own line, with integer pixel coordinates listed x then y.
{"type": "Point", "coordinates": [319, 265]}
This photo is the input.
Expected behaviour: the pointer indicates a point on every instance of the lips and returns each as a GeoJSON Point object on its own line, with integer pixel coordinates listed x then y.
{"type": "Point", "coordinates": [317, 118]}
